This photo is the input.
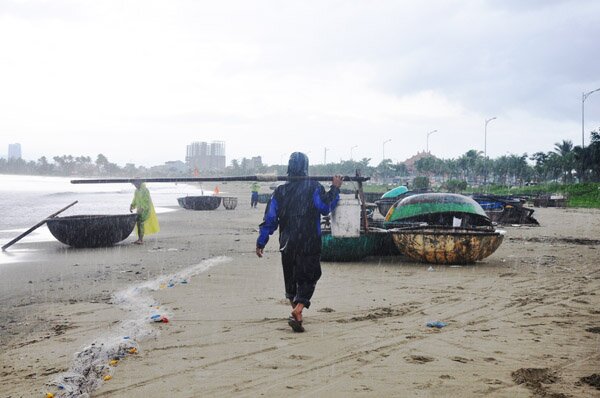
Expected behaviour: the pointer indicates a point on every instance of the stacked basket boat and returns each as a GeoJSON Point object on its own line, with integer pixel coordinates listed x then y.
{"type": "Point", "coordinates": [207, 202]}
{"type": "Point", "coordinates": [438, 228]}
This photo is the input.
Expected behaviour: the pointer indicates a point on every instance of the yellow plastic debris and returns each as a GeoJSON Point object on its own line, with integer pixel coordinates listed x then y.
{"type": "Point", "coordinates": [107, 378]}
{"type": "Point", "coordinates": [133, 350]}
{"type": "Point", "coordinates": [113, 362]}
{"type": "Point", "coordinates": [49, 395]}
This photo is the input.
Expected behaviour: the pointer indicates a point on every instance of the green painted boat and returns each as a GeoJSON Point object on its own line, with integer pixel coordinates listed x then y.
{"type": "Point", "coordinates": [394, 193]}
{"type": "Point", "coordinates": [347, 249]}
{"type": "Point", "coordinates": [385, 245]}
{"type": "Point", "coordinates": [438, 209]}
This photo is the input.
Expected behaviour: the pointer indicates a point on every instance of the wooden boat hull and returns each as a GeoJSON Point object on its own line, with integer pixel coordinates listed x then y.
{"type": "Point", "coordinates": [92, 230]}
{"type": "Point", "coordinates": [199, 202]}
{"type": "Point", "coordinates": [385, 245]}
{"type": "Point", "coordinates": [447, 245]}
{"type": "Point", "coordinates": [229, 202]}
{"type": "Point", "coordinates": [550, 201]}
{"type": "Point", "coordinates": [347, 249]}
{"type": "Point", "coordinates": [505, 210]}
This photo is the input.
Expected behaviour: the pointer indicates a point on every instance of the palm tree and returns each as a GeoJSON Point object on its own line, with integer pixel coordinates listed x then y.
{"type": "Point", "coordinates": [470, 163]}
{"type": "Point", "coordinates": [564, 150]}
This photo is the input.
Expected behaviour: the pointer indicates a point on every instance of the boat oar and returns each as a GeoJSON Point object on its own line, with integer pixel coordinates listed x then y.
{"type": "Point", "coordinates": [36, 226]}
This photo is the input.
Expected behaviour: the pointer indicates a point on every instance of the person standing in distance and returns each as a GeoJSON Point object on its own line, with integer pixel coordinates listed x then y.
{"type": "Point", "coordinates": [254, 198]}
{"type": "Point", "coordinates": [147, 222]}
{"type": "Point", "coordinates": [296, 208]}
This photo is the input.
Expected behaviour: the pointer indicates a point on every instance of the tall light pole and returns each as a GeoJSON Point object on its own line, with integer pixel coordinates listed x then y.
{"type": "Point", "coordinates": [351, 149]}
{"type": "Point", "coordinates": [383, 148]}
{"type": "Point", "coordinates": [325, 155]}
{"type": "Point", "coordinates": [485, 150]}
{"type": "Point", "coordinates": [583, 98]}
{"type": "Point", "coordinates": [428, 134]}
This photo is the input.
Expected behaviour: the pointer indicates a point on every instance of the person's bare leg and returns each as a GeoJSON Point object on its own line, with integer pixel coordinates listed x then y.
{"type": "Point", "coordinates": [297, 312]}
{"type": "Point", "coordinates": [140, 229]}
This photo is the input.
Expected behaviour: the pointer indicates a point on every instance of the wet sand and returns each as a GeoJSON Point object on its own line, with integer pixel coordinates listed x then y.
{"type": "Point", "coordinates": [523, 322]}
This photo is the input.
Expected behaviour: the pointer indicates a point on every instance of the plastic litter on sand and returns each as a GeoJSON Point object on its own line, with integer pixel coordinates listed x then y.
{"type": "Point", "coordinates": [94, 363]}
{"type": "Point", "coordinates": [436, 324]}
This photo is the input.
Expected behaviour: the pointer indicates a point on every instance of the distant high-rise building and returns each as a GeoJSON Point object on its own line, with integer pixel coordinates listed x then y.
{"type": "Point", "coordinates": [204, 156]}
{"type": "Point", "coordinates": [14, 151]}
{"type": "Point", "coordinates": [255, 163]}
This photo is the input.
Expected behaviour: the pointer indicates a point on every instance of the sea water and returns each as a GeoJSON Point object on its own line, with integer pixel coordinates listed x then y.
{"type": "Point", "coordinates": [27, 200]}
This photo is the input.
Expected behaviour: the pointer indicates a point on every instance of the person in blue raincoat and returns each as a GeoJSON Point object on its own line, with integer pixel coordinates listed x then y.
{"type": "Point", "coordinates": [296, 208]}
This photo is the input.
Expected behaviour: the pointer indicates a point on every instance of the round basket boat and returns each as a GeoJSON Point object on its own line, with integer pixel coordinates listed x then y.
{"type": "Point", "coordinates": [92, 230]}
{"type": "Point", "coordinates": [199, 202]}
{"type": "Point", "coordinates": [437, 209]}
{"type": "Point", "coordinates": [347, 249]}
{"type": "Point", "coordinates": [384, 205]}
{"type": "Point", "coordinates": [229, 202]}
{"type": "Point", "coordinates": [384, 243]}
{"type": "Point", "coordinates": [446, 245]}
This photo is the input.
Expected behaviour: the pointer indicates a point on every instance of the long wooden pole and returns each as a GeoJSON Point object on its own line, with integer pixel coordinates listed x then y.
{"type": "Point", "coordinates": [36, 226]}
{"type": "Point", "coordinates": [215, 179]}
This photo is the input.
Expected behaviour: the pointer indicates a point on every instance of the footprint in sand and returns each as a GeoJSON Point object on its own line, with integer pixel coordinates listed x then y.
{"type": "Point", "coordinates": [420, 359]}
{"type": "Point", "coordinates": [300, 357]}
{"type": "Point", "coordinates": [460, 359]}
{"type": "Point", "coordinates": [326, 309]}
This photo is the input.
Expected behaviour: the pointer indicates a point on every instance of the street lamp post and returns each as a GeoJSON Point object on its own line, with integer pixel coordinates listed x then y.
{"type": "Point", "coordinates": [325, 155]}
{"type": "Point", "coordinates": [351, 148]}
{"type": "Point", "coordinates": [485, 150]}
{"type": "Point", "coordinates": [428, 134]}
{"type": "Point", "coordinates": [583, 98]}
{"type": "Point", "coordinates": [383, 148]}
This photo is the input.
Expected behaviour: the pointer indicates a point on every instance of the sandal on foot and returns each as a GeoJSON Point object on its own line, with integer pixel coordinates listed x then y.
{"type": "Point", "coordinates": [295, 324]}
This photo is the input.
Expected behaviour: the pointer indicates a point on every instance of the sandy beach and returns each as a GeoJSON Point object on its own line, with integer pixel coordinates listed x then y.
{"type": "Point", "coordinates": [523, 322]}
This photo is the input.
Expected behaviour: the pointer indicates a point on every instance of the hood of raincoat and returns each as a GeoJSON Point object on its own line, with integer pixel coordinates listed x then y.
{"type": "Point", "coordinates": [298, 164]}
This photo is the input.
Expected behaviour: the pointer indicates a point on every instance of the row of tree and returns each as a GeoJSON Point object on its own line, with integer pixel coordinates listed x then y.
{"type": "Point", "coordinates": [68, 165]}
{"type": "Point", "coordinates": [566, 163]}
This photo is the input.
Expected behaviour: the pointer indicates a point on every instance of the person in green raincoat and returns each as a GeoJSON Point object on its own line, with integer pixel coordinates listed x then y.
{"type": "Point", "coordinates": [147, 222]}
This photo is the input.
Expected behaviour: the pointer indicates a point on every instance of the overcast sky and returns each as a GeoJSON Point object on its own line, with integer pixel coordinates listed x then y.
{"type": "Point", "coordinates": [139, 80]}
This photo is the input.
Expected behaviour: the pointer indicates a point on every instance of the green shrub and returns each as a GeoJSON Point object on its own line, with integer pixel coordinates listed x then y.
{"type": "Point", "coordinates": [455, 186]}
